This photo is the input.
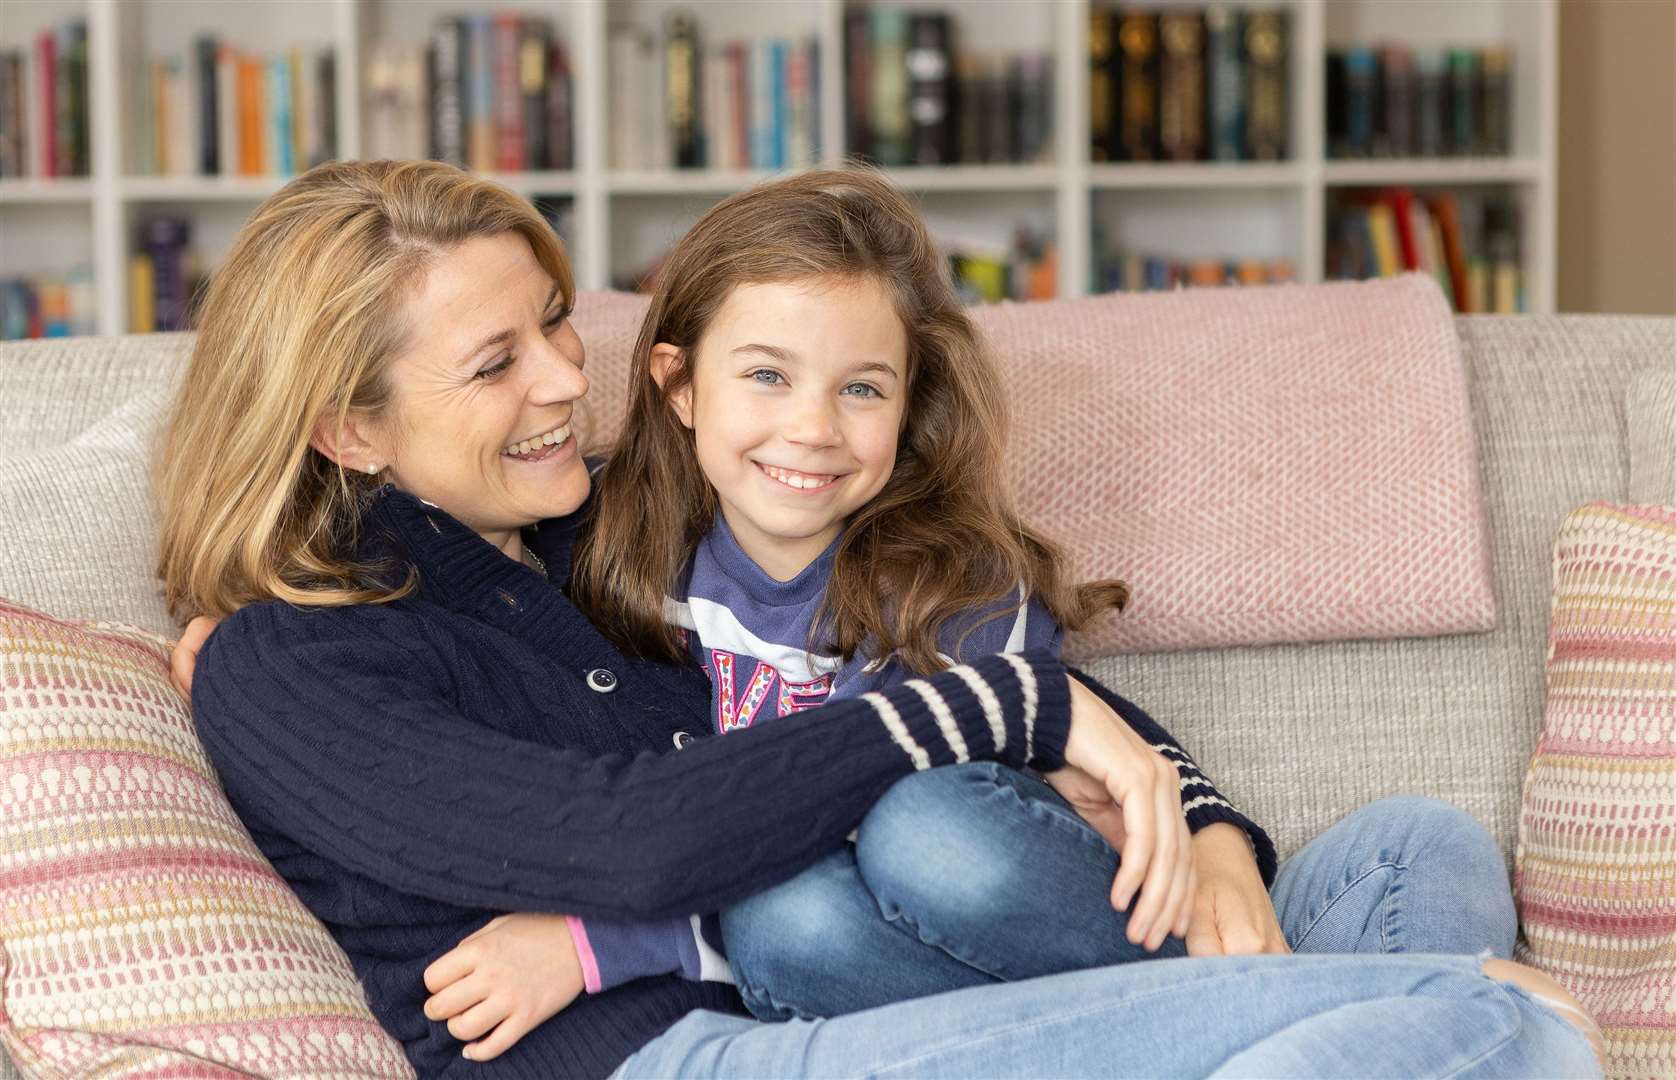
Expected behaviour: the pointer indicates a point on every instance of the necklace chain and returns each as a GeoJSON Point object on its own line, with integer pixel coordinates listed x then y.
{"type": "Point", "coordinates": [534, 562]}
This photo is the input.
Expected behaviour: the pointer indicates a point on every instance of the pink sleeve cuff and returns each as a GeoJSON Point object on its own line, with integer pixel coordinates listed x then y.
{"type": "Point", "coordinates": [584, 953]}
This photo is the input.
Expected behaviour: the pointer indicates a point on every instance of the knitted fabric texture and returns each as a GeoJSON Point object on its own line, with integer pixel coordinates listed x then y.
{"type": "Point", "coordinates": [1157, 437]}
{"type": "Point", "coordinates": [1596, 861]}
{"type": "Point", "coordinates": [143, 933]}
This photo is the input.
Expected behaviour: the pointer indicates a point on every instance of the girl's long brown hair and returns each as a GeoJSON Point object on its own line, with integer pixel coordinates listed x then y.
{"type": "Point", "coordinates": [941, 540]}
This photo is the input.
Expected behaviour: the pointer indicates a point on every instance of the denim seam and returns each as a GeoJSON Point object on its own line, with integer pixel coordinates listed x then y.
{"type": "Point", "coordinates": [747, 991]}
{"type": "Point", "coordinates": [1518, 1026]}
{"type": "Point", "coordinates": [1388, 864]}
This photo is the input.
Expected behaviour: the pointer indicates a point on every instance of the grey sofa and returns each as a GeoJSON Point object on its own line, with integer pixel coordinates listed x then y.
{"type": "Point", "coordinates": [1297, 735]}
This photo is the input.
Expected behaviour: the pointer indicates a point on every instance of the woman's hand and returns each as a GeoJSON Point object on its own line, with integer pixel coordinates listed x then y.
{"type": "Point", "coordinates": [1232, 913]}
{"type": "Point", "coordinates": [1156, 852]}
{"type": "Point", "coordinates": [184, 659]}
{"type": "Point", "coordinates": [508, 977]}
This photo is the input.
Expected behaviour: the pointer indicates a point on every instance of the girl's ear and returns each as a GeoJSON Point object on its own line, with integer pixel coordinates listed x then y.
{"type": "Point", "coordinates": [665, 359]}
{"type": "Point", "coordinates": [354, 446]}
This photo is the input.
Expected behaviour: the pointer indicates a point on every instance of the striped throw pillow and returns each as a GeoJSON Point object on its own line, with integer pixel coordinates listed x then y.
{"type": "Point", "coordinates": [1596, 861]}
{"type": "Point", "coordinates": [143, 933]}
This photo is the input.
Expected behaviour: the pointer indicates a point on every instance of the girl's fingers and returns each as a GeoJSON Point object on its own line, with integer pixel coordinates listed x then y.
{"type": "Point", "coordinates": [1185, 919]}
{"type": "Point", "coordinates": [476, 1021]}
{"type": "Point", "coordinates": [454, 999]}
{"type": "Point", "coordinates": [1170, 917]}
{"type": "Point", "coordinates": [449, 968]}
{"type": "Point", "coordinates": [506, 1033]}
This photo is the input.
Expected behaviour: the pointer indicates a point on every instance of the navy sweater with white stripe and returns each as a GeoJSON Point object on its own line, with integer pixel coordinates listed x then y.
{"type": "Point", "coordinates": [413, 769]}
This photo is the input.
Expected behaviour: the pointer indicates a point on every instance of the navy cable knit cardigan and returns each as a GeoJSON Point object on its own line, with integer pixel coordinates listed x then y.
{"type": "Point", "coordinates": [413, 769]}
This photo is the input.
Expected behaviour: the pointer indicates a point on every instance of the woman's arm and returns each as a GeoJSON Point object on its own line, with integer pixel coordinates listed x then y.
{"type": "Point", "coordinates": [323, 728]}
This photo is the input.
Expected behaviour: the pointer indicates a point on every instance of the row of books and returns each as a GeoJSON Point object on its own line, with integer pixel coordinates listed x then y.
{"type": "Point", "coordinates": [47, 305]}
{"type": "Point", "coordinates": [43, 105]}
{"type": "Point", "coordinates": [491, 92]}
{"type": "Point", "coordinates": [1188, 85]}
{"type": "Point", "coordinates": [1396, 101]}
{"type": "Point", "coordinates": [1028, 271]}
{"type": "Point", "coordinates": [677, 102]}
{"type": "Point", "coordinates": [1471, 246]}
{"type": "Point", "coordinates": [912, 97]}
{"type": "Point", "coordinates": [1134, 271]}
{"type": "Point", "coordinates": [221, 111]}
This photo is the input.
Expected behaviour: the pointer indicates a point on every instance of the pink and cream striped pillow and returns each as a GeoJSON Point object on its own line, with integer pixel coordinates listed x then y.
{"type": "Point", "coordinates": [143, 933]}
{"type": "Point", "coordinates": [1596, 862]}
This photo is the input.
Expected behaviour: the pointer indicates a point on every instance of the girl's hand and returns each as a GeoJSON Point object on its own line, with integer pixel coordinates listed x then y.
{"type": "Point", "coordinates": [1232, 912]}
{"type": "Point", "coordinates": [507, 977]}
{"type": "Point", "coordinates": [1156, 855]}
{"type": "Point", "coordinates": [184, 658]}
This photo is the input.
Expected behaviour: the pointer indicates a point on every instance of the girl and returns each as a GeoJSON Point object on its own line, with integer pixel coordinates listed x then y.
{"type": "Point", "coordinates": [809, 499]}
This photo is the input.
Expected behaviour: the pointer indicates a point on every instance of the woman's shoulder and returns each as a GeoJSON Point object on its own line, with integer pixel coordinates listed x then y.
{"type": "Point", "coordinates": [272, 637]}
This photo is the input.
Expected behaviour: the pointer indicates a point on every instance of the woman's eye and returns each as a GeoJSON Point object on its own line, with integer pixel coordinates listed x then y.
{"type": "Point", "coordinates": [766, 377]}
{"type": "Point", "coordinates": [556, 320]}
{"type": "Point", "coordinates": [496, 368]}
{"type": "Point", "coordinates": [861, 389]}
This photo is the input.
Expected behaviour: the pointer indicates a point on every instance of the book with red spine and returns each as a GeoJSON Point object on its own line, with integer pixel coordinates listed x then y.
{"type": "Point", "coordinates": [1402, 205]}
{"type": "Point", "coordinates": [509, 99]}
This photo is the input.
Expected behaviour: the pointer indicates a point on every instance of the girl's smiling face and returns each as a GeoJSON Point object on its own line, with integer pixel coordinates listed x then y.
{"type": "Point", "coordinates": [482, 400]}
{"type": "Point", "coordinates": [796, 401]}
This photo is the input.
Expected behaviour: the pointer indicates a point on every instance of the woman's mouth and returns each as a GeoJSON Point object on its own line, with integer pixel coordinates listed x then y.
{"type": "Point", "coordinates": [540, 447]}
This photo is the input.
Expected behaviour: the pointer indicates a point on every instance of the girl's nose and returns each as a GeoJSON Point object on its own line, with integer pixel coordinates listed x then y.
{"type": "Point", "coordinates": [812, 424]}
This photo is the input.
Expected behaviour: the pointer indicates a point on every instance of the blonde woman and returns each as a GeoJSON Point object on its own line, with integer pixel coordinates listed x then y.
{"type": "Point", "coordinates": [370, 476]}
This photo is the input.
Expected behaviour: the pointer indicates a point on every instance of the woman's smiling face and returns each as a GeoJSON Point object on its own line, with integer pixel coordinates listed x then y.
{"type": "Point", "coordinates": [483, 398]}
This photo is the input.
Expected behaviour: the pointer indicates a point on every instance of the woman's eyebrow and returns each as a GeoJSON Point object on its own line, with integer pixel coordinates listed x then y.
{"type": "Point", "coordinates": [504, 335]}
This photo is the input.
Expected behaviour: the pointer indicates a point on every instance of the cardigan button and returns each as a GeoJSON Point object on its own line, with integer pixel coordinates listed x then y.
{"type": "Point", "coordinates": [601, 681]}
{"type": "Point", "coordinates": [681, 740]}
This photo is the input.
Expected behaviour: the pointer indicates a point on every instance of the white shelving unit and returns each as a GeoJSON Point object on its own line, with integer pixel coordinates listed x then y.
{"type": "Point", "coordinates": [621, 219]}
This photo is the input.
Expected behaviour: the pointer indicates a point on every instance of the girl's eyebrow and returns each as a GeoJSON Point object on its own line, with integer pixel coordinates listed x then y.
{"type": "Point", "coordinates": [786, 356]}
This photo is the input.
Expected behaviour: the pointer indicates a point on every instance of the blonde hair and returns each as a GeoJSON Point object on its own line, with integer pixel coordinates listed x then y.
{"type": "Point", "coordinates": [947, 494]}
{"type": "Point", "coordinates": [303, 320]}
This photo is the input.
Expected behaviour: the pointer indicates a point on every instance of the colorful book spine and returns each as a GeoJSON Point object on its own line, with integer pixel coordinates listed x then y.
{"type": "Point", "coordinates": [507, 110]}
{"type": "Point", "coordinates": [1137, 36]}
{"type": "Point", "coordinates": [1267, 56]}
{"type": "Point", "coordinates": [887, 110]}
{"type": "Point", "coordinates": [448, 61]}
{"type": "Point", "coordinates": [279, 117]}
{"type": "Point", "coordinates": [480, 93]}
{"type": "Point", "coordinates": [533, 49]}
{"type": "Point", "coordinates": [1224, 84]}
{"type": "Point", "coordinates": [1463, 99]}
{"type": "Point", "coordinates": [930, 90]}
{"type": "Point", "coordinates": [683, 101]}
{"type": "Point", "coordinates": [1181, 86]}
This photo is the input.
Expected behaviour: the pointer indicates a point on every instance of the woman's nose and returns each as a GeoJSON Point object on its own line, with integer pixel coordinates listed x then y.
{"type": "Point", "coordinates": [558, 378]}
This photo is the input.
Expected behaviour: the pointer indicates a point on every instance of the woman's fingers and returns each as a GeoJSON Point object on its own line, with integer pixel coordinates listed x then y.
{"type": "Point", "coordinates": [183, 658]}
{"type": "Point", "coordinates": [1139, 842]}
{"type": "Point", "coordinates": [476, 1021]}
{"type": "Point", "coordinates": [1185, 919]}
{"type": "Point", "coordinates": [1177, 902]}
{"type": "Point", "coordinates": [1160, 874]}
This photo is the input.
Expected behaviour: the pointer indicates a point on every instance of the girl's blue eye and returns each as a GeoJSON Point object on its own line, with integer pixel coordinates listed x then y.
{"type": "Point", "coordinates": [865, 390]}
{"type": "Point", "coordinates": [766, 377]}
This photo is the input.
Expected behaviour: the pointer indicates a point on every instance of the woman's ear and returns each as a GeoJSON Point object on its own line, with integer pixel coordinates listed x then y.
{"type": "Point", "coordinates": [666, 358]}
{"type": "Point", "coordinates": [353, 444]}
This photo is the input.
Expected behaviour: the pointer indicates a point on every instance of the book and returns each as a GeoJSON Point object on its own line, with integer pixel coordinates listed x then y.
{"type": "Point", "coordinates": [858, 81]}
{"type": "Point", "coordinates": [507, 108]}
{"type": "Point", "coordinates": [1266, 57]}
{"type": "Point", "coordinates": [141, 295]}
{"type": "Point", "coordinates": [205, 49]}
{"type": "Point", "coordinates": [480, 93]}
{"type": "Point", "coordinates": [1431, 102]}
{"type": "Point", "coordinates": [1181, 86]}
{"type": "Point", "coordinates": [1225, 84]}
{"type": "Point", "coordinates": [1137, 37]}
{"type": "Point", "coordinates": [802, 118]}
{"type": "Point", "coordinates": [887, 110]}
{"type": "Point", "coordinates": [1103, 73]}
{"type": "Point", "coordinates": [532, 91]}
{"type": "Point", "coordinates": [1496, 90]}
{"type": "Point", "coordinates": [164, 240]}
{"type": "Point", "coordinates": [929, 61]}
{"type": "Point", "coordinates": [1463, 99]}
{"type": "Point", "coordinates": [71, 98]}
{"type": "Point", "coordinates": [448, 64]}
{"type": "Point", "coordinates": [46, 74]}
{"type": "Point", "coordinates": [1402, 203]}
{"type": "Point", "coordinates": [626, 142]}
{"type": "Point", "coordinates": [11, 116]}
{"type": "Point", "coordinates": [1398, 101]}
{"type": "Point", "coordinates": [683, 100]}
{"type": "Point", "coordinates": [1382, 229]}
{"type": "Point", "coordinates": [1446, 211]}
{"type": "Point", "coordinates": [560, 152]}
{"type": "Point", "coordinates": [1030, 95]}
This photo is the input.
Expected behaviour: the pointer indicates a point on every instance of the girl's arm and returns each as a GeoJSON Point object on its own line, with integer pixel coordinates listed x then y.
{"type": "Point", "coordinates": [335, 728]}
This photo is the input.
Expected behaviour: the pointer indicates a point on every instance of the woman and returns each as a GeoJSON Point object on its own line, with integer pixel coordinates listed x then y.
{"type": "Point", "coordinates": [370, 473]}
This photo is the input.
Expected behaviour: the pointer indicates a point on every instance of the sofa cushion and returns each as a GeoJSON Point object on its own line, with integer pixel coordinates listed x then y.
{"type": "Point", "coordinates": [1650, 415]}
{"type": "Point", "coordinates": [141, 932]}
{"type": "Point", "coordinates": [1261, 465]}
{"type": "Point", "coordinates": [1596, 860]}
{"type": "Point", "coordinates": [81, 526]}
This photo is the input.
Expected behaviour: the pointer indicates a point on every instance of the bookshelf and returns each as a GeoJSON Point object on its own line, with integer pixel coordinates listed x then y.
{"type": "Point", "coordinates": [620, 219]}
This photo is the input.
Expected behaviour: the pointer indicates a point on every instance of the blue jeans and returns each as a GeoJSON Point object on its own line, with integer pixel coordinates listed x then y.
{"type": "Point", "coordinates": [976, 874]}
{"type": "Point", "coordinates": [915, 904]}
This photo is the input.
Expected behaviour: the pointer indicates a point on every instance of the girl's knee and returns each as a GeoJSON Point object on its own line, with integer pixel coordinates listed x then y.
{"type": "Point", "coordinates": [1547, 991]}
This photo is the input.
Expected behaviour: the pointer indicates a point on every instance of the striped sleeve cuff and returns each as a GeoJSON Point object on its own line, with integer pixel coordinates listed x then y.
{"type": "Point", "coordinates": [1204, 806]}
{"type": "Point", "coordinates": [1011, 708]}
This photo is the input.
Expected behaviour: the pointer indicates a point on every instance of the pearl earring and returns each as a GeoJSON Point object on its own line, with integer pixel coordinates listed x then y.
{"type": "Point", "coordinates": [372, 470]}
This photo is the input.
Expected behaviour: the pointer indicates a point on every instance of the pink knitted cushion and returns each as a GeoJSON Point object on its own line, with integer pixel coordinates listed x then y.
{"type": "Point", "coordinates": [143, 933]}
{"type": "Point", "coordinates": [1260, 465]}
{"type": "Point", "coordinates": [1596, 862]}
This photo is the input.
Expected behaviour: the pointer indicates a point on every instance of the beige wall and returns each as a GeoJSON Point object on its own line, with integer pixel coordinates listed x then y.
{"type": "Point", "coordinates": [1617, 156]}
